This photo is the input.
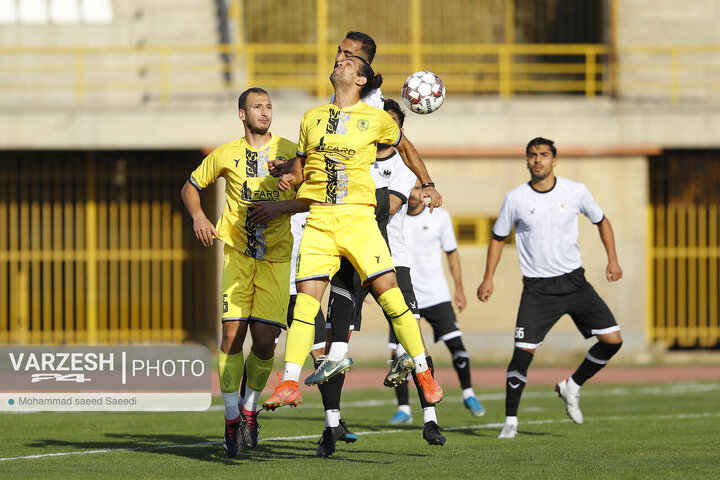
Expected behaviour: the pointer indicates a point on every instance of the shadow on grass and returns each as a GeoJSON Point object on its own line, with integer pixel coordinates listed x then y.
{"type": "Point", "coordinates": [206, 449]}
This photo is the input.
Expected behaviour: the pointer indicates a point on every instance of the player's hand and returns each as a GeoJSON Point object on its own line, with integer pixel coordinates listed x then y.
{"type": "Point", "coordinates": [287, 180]}
{"type": "Point", "coordinates": [460, 300]}
{"type": "Point", "coordinates": [431, 197]}
{"type": "Point", "coordinates": [265, 211]}
{"type": "Point", "coordinates": [278, 168]}
{"type": "Point", "coordinates": [485, 290]}
{"type": "Point", "coordinates": [613, 272]}
{"type": "Point", "coordinates": [204, 230]}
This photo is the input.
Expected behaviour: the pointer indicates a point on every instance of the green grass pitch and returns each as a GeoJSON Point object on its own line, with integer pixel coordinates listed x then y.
{"type": "Point", "coordinates": [630, 431]}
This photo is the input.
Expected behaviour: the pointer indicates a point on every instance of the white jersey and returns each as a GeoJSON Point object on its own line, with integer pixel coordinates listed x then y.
{"type": "Point", "coordinates": [401, 181]}
{"type": "Point", "coordinates": [374, 98]}
{"type": "Point", "coordinates": [546, 226]}
{"type": "Point", "coordinates": [297, 227]}
{"type": "Point", "coordinates": [426, 236]}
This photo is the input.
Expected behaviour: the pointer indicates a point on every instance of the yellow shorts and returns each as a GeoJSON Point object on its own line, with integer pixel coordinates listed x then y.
{"type": "Point", "coordinates": [255, 290]}
{"type": "Point", "coordinates": [335, 231]}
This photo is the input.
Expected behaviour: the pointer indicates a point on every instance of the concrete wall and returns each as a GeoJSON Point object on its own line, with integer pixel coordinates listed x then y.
{"type": "Point", "coordinates": [668, 22]}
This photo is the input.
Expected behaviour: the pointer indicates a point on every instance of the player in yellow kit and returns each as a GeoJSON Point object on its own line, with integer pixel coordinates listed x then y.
{"type": "Point", "coordinates": [256, 269]}
{"type": "Point", "coordinates": [336, 150]}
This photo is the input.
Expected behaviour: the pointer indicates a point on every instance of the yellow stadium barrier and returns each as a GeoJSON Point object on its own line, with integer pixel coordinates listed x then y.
{"type": "Point", "coordinates": [181, 73]}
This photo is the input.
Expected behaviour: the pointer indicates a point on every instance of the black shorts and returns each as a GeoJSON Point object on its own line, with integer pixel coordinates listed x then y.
{"type": "Point", "coordinates": [319, 321]}
{"type": "Point", "coordinates": [405, 283]}
{"type": "Point", "coordinates": [545, 300]}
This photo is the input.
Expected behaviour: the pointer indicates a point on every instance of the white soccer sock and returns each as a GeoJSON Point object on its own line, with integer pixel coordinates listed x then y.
{"type": "Point", "coordinates": [338, 350]}
{"type": "Point", "coordinates": [429, 415]}
{"type": "Point", "coordinates": [572, 387]}
{"type": "Point", "coordinates": [467, 393]}
{"type": "Point", "coordinates": [292, 372]}
{"type": "Point", "coordinates": [404, 409]}
{"type": "Point", "coordinates": [511, 421]}
{"type": "Point", "coordinates": [251, 399]}
{"type": "Point", "coordinates": [399, 349]}
{"type": "Point", "coordinates": [332, 418]}
{"type": "Point", "coordinates": [420, 363]}
{"type": "Point", "coordinates": [231, 405]}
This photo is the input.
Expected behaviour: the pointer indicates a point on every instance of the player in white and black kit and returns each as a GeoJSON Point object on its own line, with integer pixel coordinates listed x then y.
{"type": "Point", "coordinates": [390, 166]}
{"type": "Point", "coordinates": [544, 213]}
{"type": "Point", "coordinates": [425, 236]}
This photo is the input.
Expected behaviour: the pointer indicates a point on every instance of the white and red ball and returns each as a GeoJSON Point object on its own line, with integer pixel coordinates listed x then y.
{"type": "Point", "coordinates": [423, 92]}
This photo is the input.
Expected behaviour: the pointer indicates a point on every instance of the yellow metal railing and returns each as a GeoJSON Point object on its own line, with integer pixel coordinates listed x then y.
{"type": "Point", "coordinates": [174, 74]}
{"type": "Point", "coordinates": [90, 253]}
{"type": "Point", "coordinates": [683, 275]}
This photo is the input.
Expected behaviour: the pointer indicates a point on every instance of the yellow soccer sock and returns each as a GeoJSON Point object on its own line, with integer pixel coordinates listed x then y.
{"type": "Point", "coordinates": [230, 370]}
{"type": "Point", "coordinates": [403, 321]}
{"type": "Point", "coordinates": [258, 371]}
{"type": "Point", "coordinates": [301, 333]}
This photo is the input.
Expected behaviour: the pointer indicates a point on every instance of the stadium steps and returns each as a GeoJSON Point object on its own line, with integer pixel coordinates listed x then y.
{"type": "Point", "coordinates": [134, 78]}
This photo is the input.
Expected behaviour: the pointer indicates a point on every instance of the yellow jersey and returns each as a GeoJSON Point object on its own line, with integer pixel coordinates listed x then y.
{"type": "Point", "coordinates": [340, 147]}
{"type": "Point", "coordinates": [248, 181]}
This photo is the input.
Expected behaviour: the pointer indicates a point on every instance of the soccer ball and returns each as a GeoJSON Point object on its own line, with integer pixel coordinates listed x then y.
{"type": "Point", "coordinates": [423, 92]}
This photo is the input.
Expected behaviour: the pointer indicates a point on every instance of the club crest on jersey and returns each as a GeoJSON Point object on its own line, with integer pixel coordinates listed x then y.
{"type": "Point", "coordinates": [363, 125]}
{"type": "Point", "coordinates": [563, 206]}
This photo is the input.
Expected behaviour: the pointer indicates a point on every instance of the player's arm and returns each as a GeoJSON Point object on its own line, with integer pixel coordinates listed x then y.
{"type": "Point", "coordinates": [278, 168]}
{"type": "Point", "coordinates": [266, 211]}
{"type": "Point", "coordinates": [412, 159]}
{"type": "Point", "coordinates": [485, 290]}
{"type": "Point", "coordinates": [453, 259]}
{"type": "Point", "coordinates": [204, 230]}
{"type": "Point", "coordinates": [613, 272]}
{"type": "Point", "coordinates": [294, 175]}
{"type": "Point", "coordinates": [395, 203]}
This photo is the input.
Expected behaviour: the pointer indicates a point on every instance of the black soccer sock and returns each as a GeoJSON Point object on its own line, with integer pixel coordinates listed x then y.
{"type": "Point", "coordinates": [401, 392]}
{"type": "Point", "coordinates": [516, 380]}
{"type": "Point", "coordinates": [419, 389]}
{"type": "Point", "coordinates": [243, 382]}
{"type": "Point", "coordinates": [331, 390]}
{"type": "Point", "coordinates": [595, 359]}
{"type": "Point", "coordinates": [341, 309]}
{"type": "Point", "coordinates": [460, 360]}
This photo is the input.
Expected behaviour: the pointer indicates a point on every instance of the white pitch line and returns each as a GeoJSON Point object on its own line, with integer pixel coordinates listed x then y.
{"type": "Point", "coordinates": [380, 432]}
{"type": "Point", "coordinates": [673, 389]}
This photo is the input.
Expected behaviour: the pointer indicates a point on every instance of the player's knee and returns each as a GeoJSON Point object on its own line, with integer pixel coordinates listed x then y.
{"type": "Point", "coordinates": [520, 360]}
{"type": "Point", "coordinates": [607, 350]}
{"type": "Point", "coordinates": [455, 344]}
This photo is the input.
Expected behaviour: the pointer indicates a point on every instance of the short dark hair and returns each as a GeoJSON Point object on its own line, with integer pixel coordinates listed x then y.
{"type": "Point", "coordinates": [393, 106]}
{"type": "Point", "coordinates": [242, 100]}
{"type": "Point", "coordinates": [373, 81]}
{"type": "Point", "coordinates": [367, 42]}
{"type": "Point", "coordinates": [536, 142]}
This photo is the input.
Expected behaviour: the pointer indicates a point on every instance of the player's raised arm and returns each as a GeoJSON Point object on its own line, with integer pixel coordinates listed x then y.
{"type": "Point", "coordinates": [485, 290]}
{"type": "Point", "coordinates": [203, 228]}
{"type": "Point", "coordinates": [415, 163]}
{"type": "Point", "coordinates": [613, 272]}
